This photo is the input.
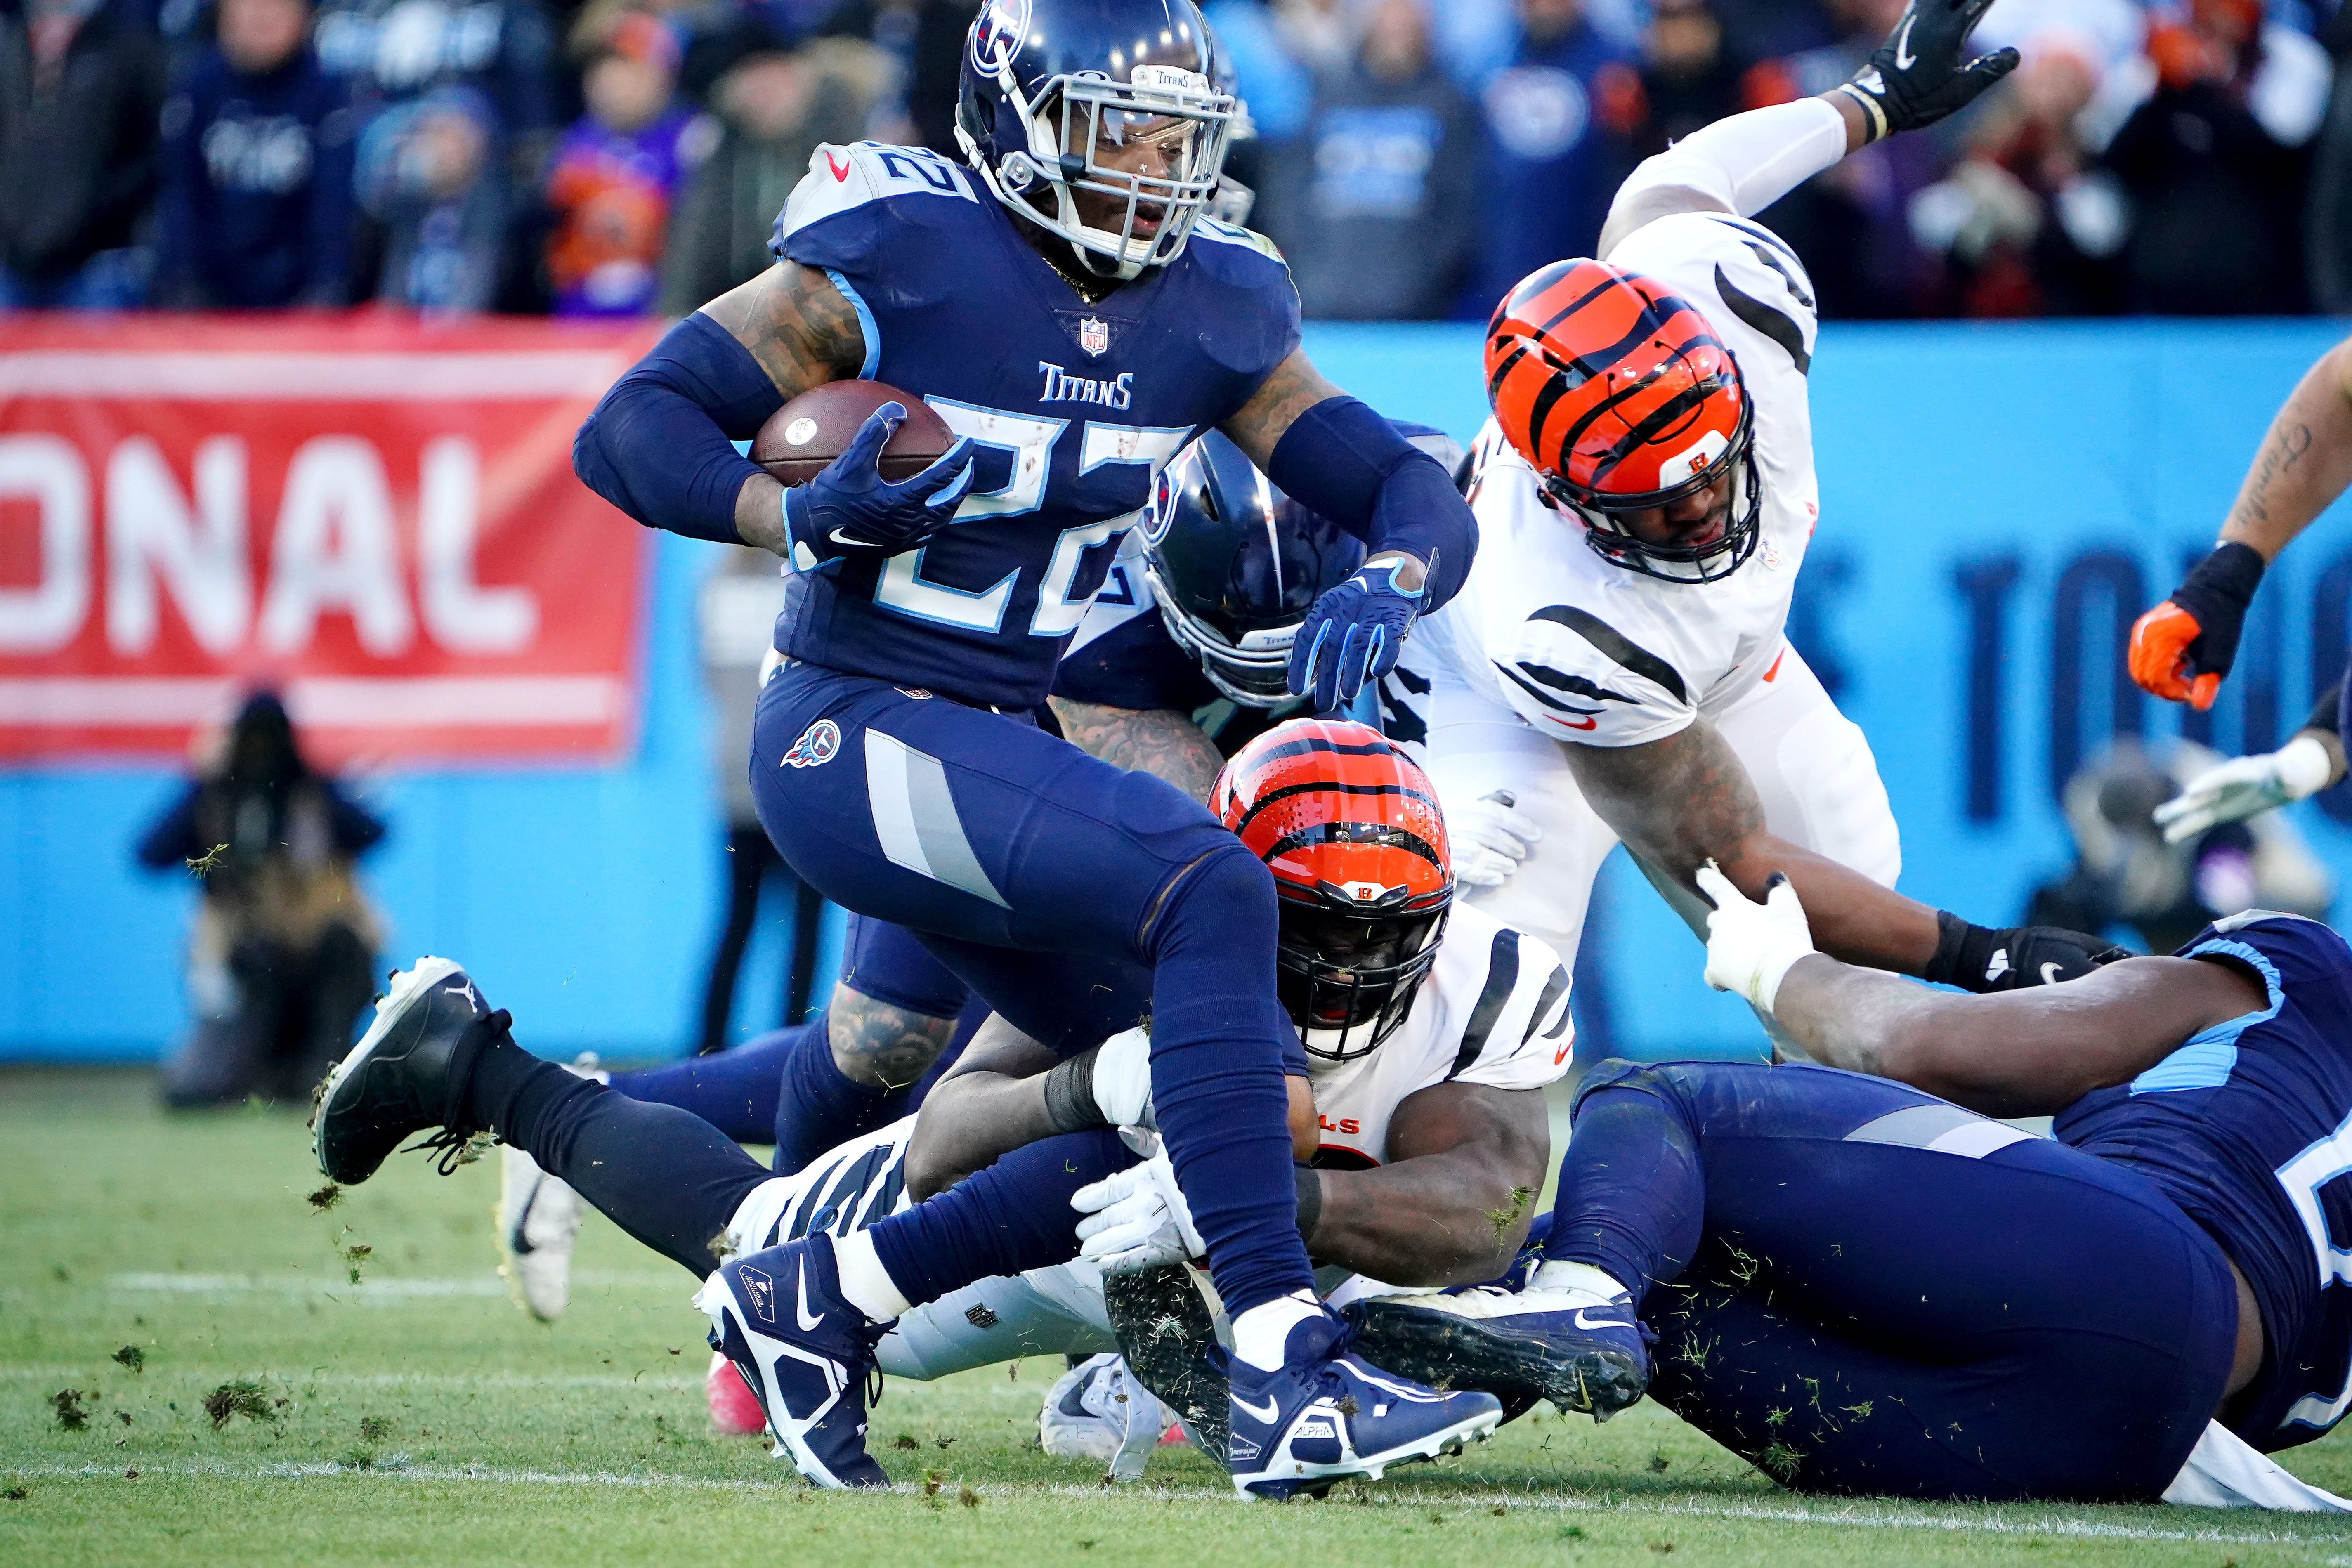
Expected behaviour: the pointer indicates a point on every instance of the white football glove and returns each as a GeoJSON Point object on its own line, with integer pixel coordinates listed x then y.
{"type": "Point", "coordinates": [1750, 946]}
{"type": "Point", "coordinates": [1122, 1082]}
{"type": "Point", "coordinates": [2245, 787]}
{"type": "Point", "coordinates": [1489, 837]}
{"type": "Point", "coordinates": [1137, 1219]}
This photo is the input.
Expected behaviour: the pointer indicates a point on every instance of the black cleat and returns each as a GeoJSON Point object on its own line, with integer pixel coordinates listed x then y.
{"type": "Point", "coordinates": [1166, 1331]}
{"type": "Point", "coordinates": [407, 1074]}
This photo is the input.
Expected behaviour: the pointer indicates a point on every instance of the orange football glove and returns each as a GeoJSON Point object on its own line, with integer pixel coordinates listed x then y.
{"type": "Point", "coordinates": [2159, 657]}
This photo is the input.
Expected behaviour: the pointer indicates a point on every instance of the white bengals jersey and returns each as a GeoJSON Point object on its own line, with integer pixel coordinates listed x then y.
{"type": "Point", "coordinates": [1494, 1010]}
{"type": "Point", "coordinates": [1594, 653]}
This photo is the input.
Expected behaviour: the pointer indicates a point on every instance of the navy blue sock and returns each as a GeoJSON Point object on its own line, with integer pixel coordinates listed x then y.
{"type": "Point", "coordinates": [1011, 1216]}
{"type": "Point", "coordinates": [819, 1107]}
{"type": "Point", "coordinates": [1217, 1081]}
{"type": "Point", "coordinates": [664, 1175]}
{"type": "Point", "coordinates": [1631, 1196]}
{"type": "Point", "coordinates": [734, 1091]}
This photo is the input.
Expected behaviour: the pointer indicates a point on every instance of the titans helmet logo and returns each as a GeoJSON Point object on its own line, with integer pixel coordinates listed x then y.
{"type": "Point", "coordinates": [997, 34]}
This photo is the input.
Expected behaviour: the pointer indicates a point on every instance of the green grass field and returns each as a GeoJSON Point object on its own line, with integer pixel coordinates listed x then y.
{"type": "Point", "coordinates": [417, 1417]}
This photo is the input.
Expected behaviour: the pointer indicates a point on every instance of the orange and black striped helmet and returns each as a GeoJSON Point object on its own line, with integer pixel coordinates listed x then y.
{"type": "Point", "coordinates": [1351, 830]}
{"type": "Point", "coordinates": [1620, 396]}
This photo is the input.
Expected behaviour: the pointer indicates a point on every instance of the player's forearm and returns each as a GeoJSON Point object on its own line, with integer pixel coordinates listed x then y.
{"type": "Point", "coordinates": [2303, 463]}
{"type": "Point", "coordinates": [1741, 163]}
{"type": "Point", "coordinates": [760, 514]}
{"type": "Point", "coordinates": [969, 1121]}
{"type": "Point", "coordinates": [1438, 1220]}
{"type": "Point", "coordinates": [1156, 741]}
{"type": "Point", "coordinates": [1853, 918]}
{"type": "Point", "coordinates": [660, 443]}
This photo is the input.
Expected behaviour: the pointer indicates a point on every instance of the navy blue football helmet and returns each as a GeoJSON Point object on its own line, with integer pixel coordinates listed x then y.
{"type": "Point", "coordinates": [1235, 565]}
{"type": "Point", "coordinates": [1100, 120]}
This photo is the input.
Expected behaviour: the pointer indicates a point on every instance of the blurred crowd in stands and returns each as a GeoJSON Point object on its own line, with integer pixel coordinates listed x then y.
{"type": "Point", "coordinates": [1412, 157]}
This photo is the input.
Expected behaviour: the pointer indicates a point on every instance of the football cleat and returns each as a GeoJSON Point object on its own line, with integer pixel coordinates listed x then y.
{"type": "Point", "coordinates": [1165, 1334]}
{"type": "Point", "coordinates": [1585, 1352]}
{"type": "Point", "coordinates": [407, 1074]}
{"type": "Point", "coordinates": [734, 1409]}
{"type": "Point", "coordinates": [779, 1315]}
{"type": "Point", "coordinates": [1326, 1416]}
{"type": "Point", "coordinates": [1095, 1411]}
{"type": "Point", "coordinates": [539, 1219]}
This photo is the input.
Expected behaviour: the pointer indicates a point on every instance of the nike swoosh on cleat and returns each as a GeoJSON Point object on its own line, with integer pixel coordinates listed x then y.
{"type": "Point", "coordinates": [1266, 1414]}
{"type": "Point", "coordinates": [1904, 59]}
{"type": "Point", "coordinates": [2050, 974]}
{"type": "Point", "coordinates": [800, 1305]}
{"type": "Point", "coordinates": [520, 1243]}
{"type": "Point", "coordinates": [1606, 1323]}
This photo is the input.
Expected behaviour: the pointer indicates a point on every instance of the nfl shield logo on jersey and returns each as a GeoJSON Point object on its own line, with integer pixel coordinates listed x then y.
{"type": "Point", "coordinates": [816, 745]}
{"type": "Point", "coordinates": [1094, 336]}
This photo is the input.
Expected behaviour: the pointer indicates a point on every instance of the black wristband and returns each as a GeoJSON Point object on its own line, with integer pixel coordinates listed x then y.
{"type": "Point", "coordinates": [1952, 935]}
{"type": "Point", "coordinates": [1070, 1094]}
{"type": "Point", "coordinates": [1310, 1199]}
{"type": "Point", "coordinates": [2328, 713]}
{"type": "Point", "coordinates": [2217, 591]}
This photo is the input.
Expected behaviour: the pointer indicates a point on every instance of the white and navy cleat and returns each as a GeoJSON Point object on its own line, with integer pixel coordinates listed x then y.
{"type": "Point", "coordinates": [1097, 1411]}
{"type": "Point", "coordinates": [1327, 1417]}
{"type": "Point", "coordinates": [779, 1315]}
{"type": "Point", "coordinates": [1584, 1352]}
{"type": "Point", "coordinates": [539, 1221]}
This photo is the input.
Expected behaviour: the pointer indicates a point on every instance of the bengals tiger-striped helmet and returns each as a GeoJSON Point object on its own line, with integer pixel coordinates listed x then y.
{"type": "Point", "coordinates": [1351, 830]}
{"type": "Point", "coordinates": [1621, 399]}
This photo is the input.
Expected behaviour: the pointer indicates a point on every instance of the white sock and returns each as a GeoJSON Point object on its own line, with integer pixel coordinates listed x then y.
{"type": "Point", "coordinates": [863, 1281]}
{"type": "Point", "coordinates": [1261, 1334]}
{"type": "Point", "coordinates": [1557, 1273]}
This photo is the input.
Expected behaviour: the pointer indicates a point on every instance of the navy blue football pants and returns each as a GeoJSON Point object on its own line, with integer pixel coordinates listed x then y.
{"type": "Point", "coordinates": [1068, 893]}
{"type": "Point", "coordinates": [1862, 1288]}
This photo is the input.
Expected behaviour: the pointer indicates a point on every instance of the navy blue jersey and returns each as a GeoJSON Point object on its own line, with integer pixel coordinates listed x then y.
{"type": "Point", "coordinates": [2247, 1127]}
{"type": "Point", "coordinates": [1073, 409]}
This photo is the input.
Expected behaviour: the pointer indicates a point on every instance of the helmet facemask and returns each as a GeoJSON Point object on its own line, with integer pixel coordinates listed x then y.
{"type": "Point", "coordinates": [1253, 672]}
{"type": "Point", "coordinates": [1077, 124]}
{"type": "Point", "coordinates": [1602, 510]}
{"type": "Point", "coordinates": [1349, 980]}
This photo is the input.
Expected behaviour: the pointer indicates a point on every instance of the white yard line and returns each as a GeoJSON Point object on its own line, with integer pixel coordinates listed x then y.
{"type": "Point", "coordinates": [380, 1380]}
{"type": "Point", "coordinates": [387, 1291]}
{"type": "Point", "coordinates": [1862, 1518]}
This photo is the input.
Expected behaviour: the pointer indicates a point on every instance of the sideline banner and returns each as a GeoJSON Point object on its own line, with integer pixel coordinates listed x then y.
{"type": "Point", "coordinates": [375, 515]}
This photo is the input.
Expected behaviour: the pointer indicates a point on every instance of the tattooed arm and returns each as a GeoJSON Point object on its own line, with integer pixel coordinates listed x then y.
{"type": "Point", "coordinates": [1156, 741]}
{"type": "Point", "coordinates": [2303, 463]}
{"type": "Point", "coordinates": [881, 1046]}
{"type": "Point", "coordinates": [1680, 802]}
{"type": "Point", "coordinates": [804, 333]}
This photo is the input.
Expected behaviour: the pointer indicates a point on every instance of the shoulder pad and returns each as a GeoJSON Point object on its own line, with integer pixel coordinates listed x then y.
{"type": "Point", "coordinates": [1217, 232]}
{"type": "Point", "coordinates": [866, 175]}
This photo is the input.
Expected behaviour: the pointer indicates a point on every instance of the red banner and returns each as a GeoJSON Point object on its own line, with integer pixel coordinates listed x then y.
{"type": "Point", "coordinates": [376, 516]}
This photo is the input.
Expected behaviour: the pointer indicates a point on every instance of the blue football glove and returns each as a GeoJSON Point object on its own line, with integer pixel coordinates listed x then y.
{"type": "Point", "coordinates": [1352, 635]}
{"type": "Point", "coordinates": [851, 510]}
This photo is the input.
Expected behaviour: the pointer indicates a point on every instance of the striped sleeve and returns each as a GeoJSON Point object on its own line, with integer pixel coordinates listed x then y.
{"type": "Point", "coordinates": [1520, 1033]}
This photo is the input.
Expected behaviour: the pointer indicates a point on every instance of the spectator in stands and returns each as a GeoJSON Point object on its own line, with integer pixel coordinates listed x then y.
{"type": "Point", "coordinates": [773, 108]}
{"type": "Point", "coordinates": [398, 51]}
{"type": "Point", "coordinates": [430, 178]}
{"type": "Point", "coordinates": [2215, 164]}
{"type": "Point", "coordinates": [617, 171]}
{"type": "Point", "coordinates": [2328, 211]}
{"type": "Point", "coordinates": [1374, 203]}
{"type": "Point", "coordinates": [1692, 76]}
{"type": "Point", "coordinates": [257, 146]}
{"type": "Point", "coordinates": [1557, 119]}
{"type": "Point", "coordinates": [81, 87]}
{"type": "Point", "coordinates": [281, 958]}
{"type": "Point", "coordinates": [2026, 225]}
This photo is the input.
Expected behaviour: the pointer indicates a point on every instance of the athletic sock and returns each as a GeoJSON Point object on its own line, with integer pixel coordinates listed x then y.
{"type": "Point", "coordinates": [1578, 1278]}
{"type": "Point", "coordinates": [818, 1107]}
{"type": "Point", "coordinates": [1262, 1334]}
{"type": "Point", "coordinates": [664, 1175]}
{"type": "Point", "coordinates": [864, 1281]}
{"type": "Point", "coordinates": [1012, 1217]}
{"type": "Point", "coordinates": [1217, 1085]}
{"type": "Point", "coordinates": [734, 1091]}
{"type": "Point", "coordinates": [1631, 1193]}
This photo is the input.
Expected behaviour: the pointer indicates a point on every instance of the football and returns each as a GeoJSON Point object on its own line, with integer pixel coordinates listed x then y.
{"type": "Point", "coordinates": [804, 436]}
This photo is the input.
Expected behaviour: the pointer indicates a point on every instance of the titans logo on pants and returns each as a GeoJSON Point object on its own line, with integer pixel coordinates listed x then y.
{"type": "Point", "coordinates": [816, 745]}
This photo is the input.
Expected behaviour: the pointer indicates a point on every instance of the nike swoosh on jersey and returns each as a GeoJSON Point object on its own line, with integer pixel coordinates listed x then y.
{"type": "Point", "coordinates": [1904, 59]}
{"type": "Point", "coordinates": [1576, 723]}
{"type": "Point", "coordinates": [1606, 1323]}
{"type": "Point", "coordinates": [1267, 1415]}
{"type": "Point", "coordinates": [800, 1303]}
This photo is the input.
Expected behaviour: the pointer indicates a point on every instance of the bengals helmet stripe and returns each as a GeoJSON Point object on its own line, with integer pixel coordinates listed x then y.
{"type": "Point", "coordinates": [1351, 830]}
{"type": "Point", "coordinates": [1623, 399]}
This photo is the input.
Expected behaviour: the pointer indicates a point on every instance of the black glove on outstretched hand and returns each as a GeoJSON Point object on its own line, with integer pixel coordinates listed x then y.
{"type": "Point", "coordinates": [1982, 959]}
{"type": "Point", "coordinates": [1920, 73]}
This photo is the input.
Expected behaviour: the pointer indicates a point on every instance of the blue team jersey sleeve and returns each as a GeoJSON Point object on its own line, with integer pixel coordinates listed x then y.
{"type": "Point", "coordinates": [864, 204]}
{"type": "Point", "coordinates": [1260, 328]}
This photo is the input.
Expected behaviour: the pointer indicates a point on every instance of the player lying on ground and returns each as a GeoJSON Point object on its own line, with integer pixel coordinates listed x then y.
{"type": "Point", "coordinates": [1429, 1060]}
{"type": "Point", "coordinates": [1616, 668]}
{"type": "Point", "coordinates": [1198, 616]}
{"type": "Point", "coordinates": [1861, 1288]}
